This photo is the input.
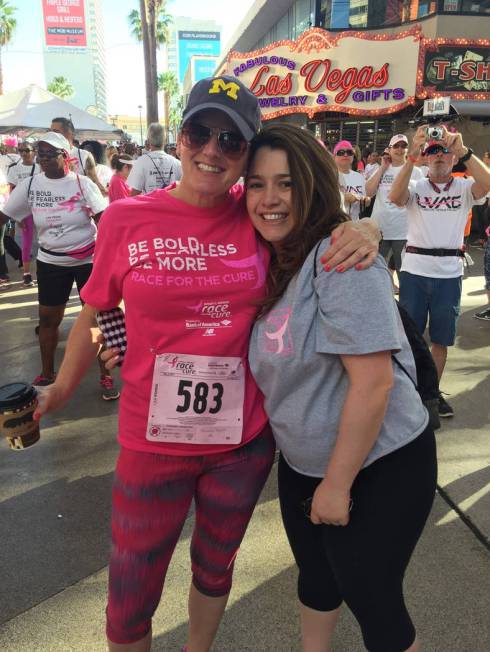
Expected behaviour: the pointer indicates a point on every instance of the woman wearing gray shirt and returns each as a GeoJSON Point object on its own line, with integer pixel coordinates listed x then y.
{"type": "Point", "coordinates": [357, 470]}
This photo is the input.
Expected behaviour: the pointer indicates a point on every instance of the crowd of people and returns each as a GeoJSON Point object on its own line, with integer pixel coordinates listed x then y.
{"type": "Point", "coordinates": [258, 315]}
{"type": "Point", "coordinates": [425, 230]}
{"type": "Point", "coordinates": [59, 190]}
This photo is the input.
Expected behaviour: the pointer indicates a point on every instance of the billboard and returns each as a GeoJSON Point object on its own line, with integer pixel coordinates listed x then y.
{"type": "Point", "coordinates": [352, 72]}
{"type": "Point", "coordinates": [64, 23]}
{"type": "Point", "coordinates": [458, 69]}
{"type": "Point", "coordinates": [194, 43]}
{"type": "Point", "coordinates": [203, 67]}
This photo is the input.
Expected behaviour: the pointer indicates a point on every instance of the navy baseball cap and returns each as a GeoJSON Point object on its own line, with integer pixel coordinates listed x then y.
{"type": "Point", "coordinates": [434, 146]}
{"type": "Point", "coordinates": [227, 94]}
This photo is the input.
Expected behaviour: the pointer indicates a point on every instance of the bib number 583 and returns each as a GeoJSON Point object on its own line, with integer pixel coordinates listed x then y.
{"type": "Point", "coordinates": [197, 397]}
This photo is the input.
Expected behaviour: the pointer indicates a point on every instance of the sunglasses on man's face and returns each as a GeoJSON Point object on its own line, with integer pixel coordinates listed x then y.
{"type": "Point", "coordinates": [437, 149]}
{"type": "Point", "coordinates": [344, 152]}
{"type": "Point", "coordinates": [400, 145]}
{"type": "Point", "coordinates": [24, 151]}
{"type": "Point", "coordinates": [196, 136]}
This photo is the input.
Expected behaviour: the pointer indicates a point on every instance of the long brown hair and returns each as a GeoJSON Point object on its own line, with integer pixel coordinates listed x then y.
{"type": "Point", "coordinates": [315, 200]}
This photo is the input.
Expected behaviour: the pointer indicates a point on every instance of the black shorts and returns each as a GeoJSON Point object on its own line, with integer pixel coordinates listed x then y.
{"type": "Point", "coordinates": [54, 282]}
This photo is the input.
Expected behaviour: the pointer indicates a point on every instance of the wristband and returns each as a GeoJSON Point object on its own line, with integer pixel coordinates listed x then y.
{"type": "Point", "coordinates": [467, 156]}
{"type": "Point", "coordinates": [411, 158]}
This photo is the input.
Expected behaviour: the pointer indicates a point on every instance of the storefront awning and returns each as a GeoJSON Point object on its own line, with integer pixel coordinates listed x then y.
{"type": "Point", "coordinates": [472, 107]}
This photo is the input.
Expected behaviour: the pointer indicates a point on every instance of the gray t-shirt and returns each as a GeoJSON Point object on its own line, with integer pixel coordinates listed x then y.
{"type": "Point", "coordinates": [295, 358]}
{"type": "Point", "coordinates": [154, 170]}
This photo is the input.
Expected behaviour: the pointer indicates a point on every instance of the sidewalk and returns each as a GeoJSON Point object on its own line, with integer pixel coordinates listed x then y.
{"type": "Point", "coordinates": [54, 510]}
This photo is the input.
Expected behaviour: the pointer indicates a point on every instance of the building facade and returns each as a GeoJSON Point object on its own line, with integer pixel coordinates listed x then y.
{"type": "Point", "coordinates": [298, 56]}
{"type": "Point", "coordinates": [190, 37]}
{"type": "Point", "coordinates": [200, 66]}
{"type": "Point", "coordinates": [73, 47]}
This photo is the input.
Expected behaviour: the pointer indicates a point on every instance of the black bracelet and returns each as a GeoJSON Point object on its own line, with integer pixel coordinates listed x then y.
{"type": "Point", "coordinates": [467, 156]}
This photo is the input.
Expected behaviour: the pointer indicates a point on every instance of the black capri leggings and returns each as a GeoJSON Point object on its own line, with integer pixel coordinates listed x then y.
{"type": "Point", "coordinates": [364, 562]}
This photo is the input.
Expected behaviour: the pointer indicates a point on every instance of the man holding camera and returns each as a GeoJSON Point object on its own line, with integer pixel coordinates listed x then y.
{"type": "Point", "coordinates": [392, 219]}
{"type": "Point", "coordinates": [437, 209]}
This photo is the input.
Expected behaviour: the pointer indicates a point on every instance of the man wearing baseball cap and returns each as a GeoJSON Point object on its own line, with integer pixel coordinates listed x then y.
{"type": "Point", "coordinates": [437, 208]}
{"type": "Point", "coordinates": [352, 184]}
{"type": "Point", "coordinates": [392, 219]}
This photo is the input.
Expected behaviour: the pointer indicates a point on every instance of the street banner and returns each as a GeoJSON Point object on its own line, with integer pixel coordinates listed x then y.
{"type": "Point", "coordinates": [354, 72]}
{"type": "Point", "coordinates": [64, 23]}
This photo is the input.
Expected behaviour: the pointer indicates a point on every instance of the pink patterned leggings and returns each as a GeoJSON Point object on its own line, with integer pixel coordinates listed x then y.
{"type": "Point", "coordinates": [151, 498]}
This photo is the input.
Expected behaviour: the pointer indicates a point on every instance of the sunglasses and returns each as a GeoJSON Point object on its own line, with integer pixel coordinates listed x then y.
{"type": "Point", "coordinates": [49, 155]}
{"type": "Point", "coordinates": [231, 143]}
{"type": "Point", "coordinates": [437, 149]}
{"type": "Point", "coordinates": [344, 152]}
{"type": "Point", "coordinates": [401, 145]}
{"type": "Point", "coordinates": [24, 150]}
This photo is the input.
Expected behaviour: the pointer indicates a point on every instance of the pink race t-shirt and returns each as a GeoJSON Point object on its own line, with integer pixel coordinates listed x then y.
{"type": "Point", "coordinates": [190, 279]}
{"type": "Point", "coordinates": [118, 188]}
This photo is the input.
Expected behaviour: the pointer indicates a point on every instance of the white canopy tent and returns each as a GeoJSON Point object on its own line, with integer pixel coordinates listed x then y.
{"type": "Point", "coordinates": [32, 108]}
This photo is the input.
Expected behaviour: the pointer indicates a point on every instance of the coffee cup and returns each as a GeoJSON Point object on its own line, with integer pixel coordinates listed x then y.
{"type": "Point", "coordinates": [17, 404]}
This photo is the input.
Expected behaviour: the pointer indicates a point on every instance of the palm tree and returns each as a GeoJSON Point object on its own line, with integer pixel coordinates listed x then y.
{"type": "Point", "coordinates": [150, 26]}
{"type": "Point", "coordinates": [61, 87]}
{"type": "Point", "coordinates": [168, 83]}
{"type": "Point", "coordinates": [175, 118]}
{"type": "Point", "coordinates": [7, 26]}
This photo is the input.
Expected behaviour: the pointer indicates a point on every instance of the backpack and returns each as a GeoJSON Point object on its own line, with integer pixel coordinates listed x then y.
{"type": "Point", "coordinates": [427, 381]}
{"type": "Point", "coordinates": [159, 173]}
{"type": "Point", "coordinates": [427, 384]}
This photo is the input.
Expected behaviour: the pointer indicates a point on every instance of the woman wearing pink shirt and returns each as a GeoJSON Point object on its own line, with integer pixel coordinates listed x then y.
{"type": "Point", "coordinates": [189, 267]}
{"type": "Point", "coordinates": [118, 188]}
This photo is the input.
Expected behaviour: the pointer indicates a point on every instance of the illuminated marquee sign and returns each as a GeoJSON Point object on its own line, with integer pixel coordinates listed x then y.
{"type": "Point", "coordinates": [459, 68]}
{"type": "Point", "coordinates": [353, 72]}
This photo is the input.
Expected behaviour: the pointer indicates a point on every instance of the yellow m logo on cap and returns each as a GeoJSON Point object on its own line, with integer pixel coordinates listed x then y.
{"type": "Point", "coordinates": [230, 88]}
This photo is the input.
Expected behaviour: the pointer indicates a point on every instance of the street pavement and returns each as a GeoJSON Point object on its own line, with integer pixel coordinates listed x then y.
{"type": "Point", "coordinates": [55, 505]}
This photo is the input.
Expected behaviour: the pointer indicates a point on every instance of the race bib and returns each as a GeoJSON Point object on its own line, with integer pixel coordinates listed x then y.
{"type": "Point", "coordinates": [196, 399]}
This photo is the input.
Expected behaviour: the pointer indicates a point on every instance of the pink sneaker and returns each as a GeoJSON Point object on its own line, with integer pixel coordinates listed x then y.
{"type": "Point", "coordinates": [109, 392]}
{"type": "Point", "coordinates": [43, 381]}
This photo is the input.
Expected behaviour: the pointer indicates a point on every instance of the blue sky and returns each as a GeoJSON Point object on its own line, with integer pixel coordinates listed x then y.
{"type": "Point", "coordinates": [23, 61]}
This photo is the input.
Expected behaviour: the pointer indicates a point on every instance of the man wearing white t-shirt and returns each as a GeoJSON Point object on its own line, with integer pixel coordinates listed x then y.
{"type": "Point", "coordinates": [372, 165]}
{"type": "Point", "coordinates": [82, 161]}
{"type": "Point", "coordinates": [392, 219]}
{"type": "Point", "coordinates": [437, 208]}
{"type": "Point", "coordinates": [154, 169]}
{"type": "Point", "coordinates": [351, 183]}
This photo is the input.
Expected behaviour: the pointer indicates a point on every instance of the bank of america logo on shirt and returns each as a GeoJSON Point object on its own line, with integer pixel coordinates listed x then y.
{"type": "Point", "coordinates": [277, 336]}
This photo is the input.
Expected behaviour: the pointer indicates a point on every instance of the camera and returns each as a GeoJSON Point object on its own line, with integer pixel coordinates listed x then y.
{"type": "Point", "coordinates": [434, 133]}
